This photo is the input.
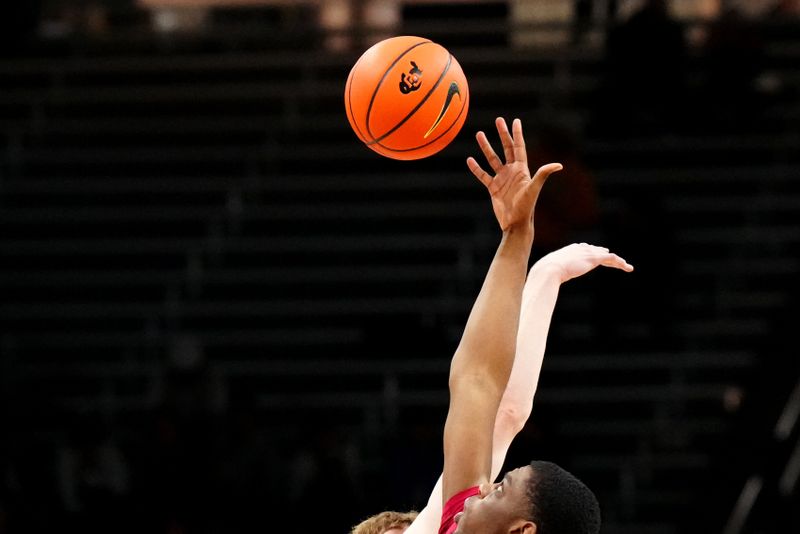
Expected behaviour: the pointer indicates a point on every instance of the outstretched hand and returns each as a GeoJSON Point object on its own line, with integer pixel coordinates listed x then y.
{"type": "Point", "coordinates": [576, 260]}
{"type": "Point", "coordinates": [514, 193]}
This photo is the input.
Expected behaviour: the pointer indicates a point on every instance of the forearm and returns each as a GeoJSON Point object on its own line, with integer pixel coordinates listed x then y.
{"type": "Point", "coordinates": [481, 366]}
{"type": "Point", "coordinates": [488, 343]}
{"type": "Point", "coordinates": [538, 302]}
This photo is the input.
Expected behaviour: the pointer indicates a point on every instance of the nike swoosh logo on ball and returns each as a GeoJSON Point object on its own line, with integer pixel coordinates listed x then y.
{"type": "Point", "coordinates": [451, 92]}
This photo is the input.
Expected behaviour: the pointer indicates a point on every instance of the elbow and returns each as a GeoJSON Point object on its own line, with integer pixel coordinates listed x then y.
{"type": "Point", "coordinates": [511, 418]}
{"type": "Point", "coordinates": [478, 377]}
{"type": "Point", "coordinates": [476, 384]}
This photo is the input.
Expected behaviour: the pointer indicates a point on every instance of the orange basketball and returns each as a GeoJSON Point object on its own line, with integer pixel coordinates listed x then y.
{"type": "Point", "coordinates": [406, 98]}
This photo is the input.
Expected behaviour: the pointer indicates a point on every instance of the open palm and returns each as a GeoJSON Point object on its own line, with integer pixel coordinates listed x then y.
{"type": "Point", "coordinates": [513, 191]}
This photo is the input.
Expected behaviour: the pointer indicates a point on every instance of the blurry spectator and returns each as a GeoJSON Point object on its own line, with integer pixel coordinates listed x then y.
{"type": "Point", "coordinates": [581, 19]}
{"type": "Point", "coordinates": [93, 478]}
{"type": "Point", "coordinates": [583, 14]}
{"type": "Point", "coordinates": [177, 476]}
{"type": "Point", "coordinates": [193, 386]}
{"type": "Point", "coordinates": [569, 204]}
{"type": "Point", "coordinates": [644, 72]}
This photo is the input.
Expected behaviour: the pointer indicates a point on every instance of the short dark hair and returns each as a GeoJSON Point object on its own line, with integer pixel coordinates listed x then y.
{"type": "Point", "coordinates": [560, 503]}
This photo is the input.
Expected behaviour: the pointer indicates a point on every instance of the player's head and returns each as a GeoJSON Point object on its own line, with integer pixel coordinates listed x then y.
{"type": "Point", "coordinates": [540, 498]}
{"type": "Point", "coordinates": [385, 523]}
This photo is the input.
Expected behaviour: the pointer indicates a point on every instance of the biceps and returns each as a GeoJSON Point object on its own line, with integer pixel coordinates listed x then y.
{"type": "Point", "coordinates": [468, 436]}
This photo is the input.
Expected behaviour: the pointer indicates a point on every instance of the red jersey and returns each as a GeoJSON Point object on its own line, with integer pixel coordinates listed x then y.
{"type": "Point", "coordinates": [453, 506]}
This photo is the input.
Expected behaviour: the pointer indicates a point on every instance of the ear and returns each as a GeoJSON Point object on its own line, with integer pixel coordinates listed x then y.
{"type": "Point", "coordinates": [522, 527]}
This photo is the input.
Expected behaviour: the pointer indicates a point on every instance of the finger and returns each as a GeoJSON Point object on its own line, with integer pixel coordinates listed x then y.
{"type": "Point", "coordinates": [479, 173]}
{"type": "Point", "coordinates": [520, 154]}
{"type": "Point", "coordinates": [594, 248]}
{"type": "Point", "coordinates": [546, 170]}
{"type": "Point", "coordinates": [505, 138]}
{"type": "Point", "coordinates": [488, 151]}
{"type": "Point", "coordinates": [542, 175]}
{"type": "Point", "coordinates": [615, 261]}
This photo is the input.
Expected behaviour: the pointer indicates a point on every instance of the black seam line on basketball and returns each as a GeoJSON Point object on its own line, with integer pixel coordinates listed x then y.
{"type": "Point", "coordinates": [361, 135]}
{"type": "Point", "coordinates": [375, 92]}
{"type": "Point", "coordinates": [463, 106]}
{"type": "Point", "coordinates": [424, 99]}
{"type": "Point", "coordinates": [466, 101]}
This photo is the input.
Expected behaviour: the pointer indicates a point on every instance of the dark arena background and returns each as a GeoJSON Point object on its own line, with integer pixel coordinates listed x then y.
{"type": "Point", "coordinates": [221, 313]}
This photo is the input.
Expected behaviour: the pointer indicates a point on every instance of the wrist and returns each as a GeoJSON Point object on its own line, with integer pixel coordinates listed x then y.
{"type": "Point", "coordinates": [517, 242]}
{"type": "Point", "coordinates": [548, 271]}
{"type": "Point", "coordinates": [520, 230]}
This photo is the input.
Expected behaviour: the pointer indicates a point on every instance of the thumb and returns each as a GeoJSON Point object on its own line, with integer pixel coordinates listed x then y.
{"type": "Point", "coordinates": [541, 176]}
{"type": "Point", "coordinates": [545, 171]}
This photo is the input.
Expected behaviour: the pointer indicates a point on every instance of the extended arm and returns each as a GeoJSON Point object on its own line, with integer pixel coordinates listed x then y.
{"type": "Point", "coordinates": [538, 302]}
{"type": "Point", "coordinates": [482, 364]}
{"type": "Point", "coordinates": [483, 360]}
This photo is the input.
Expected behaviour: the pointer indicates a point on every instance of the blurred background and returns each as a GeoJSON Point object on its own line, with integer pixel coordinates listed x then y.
{"type": "Point", "coordinates": [220, 312]}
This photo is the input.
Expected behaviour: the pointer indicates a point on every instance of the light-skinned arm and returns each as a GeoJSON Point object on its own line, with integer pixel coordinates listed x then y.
{"type": "Point", "coordinates": [538, 302]}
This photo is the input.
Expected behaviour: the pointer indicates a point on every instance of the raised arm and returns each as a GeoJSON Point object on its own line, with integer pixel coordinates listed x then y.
{"type": "Point", "coordinates": [538, 302]}
{"type": "Point", "coordinates": [482, 362]}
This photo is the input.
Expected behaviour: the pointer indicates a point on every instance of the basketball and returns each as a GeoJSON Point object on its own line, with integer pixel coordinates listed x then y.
{"type": "Point", "coordinates": [406, 98]}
